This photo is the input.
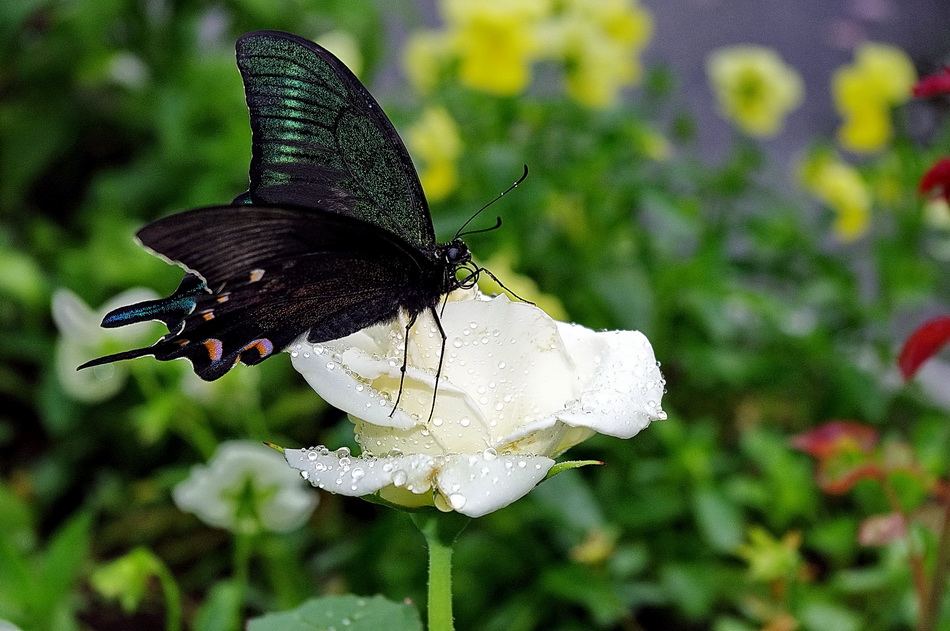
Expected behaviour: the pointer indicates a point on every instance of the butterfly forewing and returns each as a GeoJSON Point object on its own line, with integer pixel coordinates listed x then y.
{"type": "Point", "coordinates": [320, 140]}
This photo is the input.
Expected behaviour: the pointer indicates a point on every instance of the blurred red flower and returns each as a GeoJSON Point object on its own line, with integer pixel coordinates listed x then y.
{"type": "Point", "coordinates": [933, 85]}
{"type": "Point", "coordinates": [835, 437]}
{"type": "Point", "coordinates": [923, 344]}
{"type": "Point", "coordinates": [937, 179]}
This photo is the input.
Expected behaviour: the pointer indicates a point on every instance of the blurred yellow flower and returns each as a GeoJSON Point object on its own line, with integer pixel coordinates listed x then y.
{"type": "Point", "coordinates": [754, 88]}
{"type": "Point", "coordinates": [346, 49]}
{"type": "Point", "coordinates": [839, 186]}
{"type": "Point", "coordinates": [426, 53]}
{"type": "Point", "coordinates": [496, 42]}
{"type": "Point", "coordinates": [434, 140]}
{"type": "Point", "coordinates": [654, 145]}
{"type": "Point", "coordinates": [880, 78]}
{"type": "Point", "coordinates": [600, 41]}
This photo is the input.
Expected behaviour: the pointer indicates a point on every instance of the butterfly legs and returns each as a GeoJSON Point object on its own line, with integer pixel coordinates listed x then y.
{"type": "Point", "coordinates": [438, 371]}
{"type": "Point", "coordinates": [405, 360]}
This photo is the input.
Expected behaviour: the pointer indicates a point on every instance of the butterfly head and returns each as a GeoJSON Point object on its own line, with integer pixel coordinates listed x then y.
{"type": "Point", "coordinates": [456, 253]}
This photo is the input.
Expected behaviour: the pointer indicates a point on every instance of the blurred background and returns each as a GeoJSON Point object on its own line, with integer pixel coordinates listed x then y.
{"type": "Point", "coordinates": [737, 179]}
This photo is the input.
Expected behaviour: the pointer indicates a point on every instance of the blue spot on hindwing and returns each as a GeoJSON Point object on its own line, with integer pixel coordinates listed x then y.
{"type": "Point", "coordinates": [171, 310]}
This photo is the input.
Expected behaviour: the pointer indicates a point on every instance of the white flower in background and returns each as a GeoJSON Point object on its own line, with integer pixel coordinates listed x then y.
{"type": "Point", "coordinates": [517, 389]}
{"type": "Point", "coordinates": [246, 488]}
{"type": "Point", "coordinates": [81, 339]}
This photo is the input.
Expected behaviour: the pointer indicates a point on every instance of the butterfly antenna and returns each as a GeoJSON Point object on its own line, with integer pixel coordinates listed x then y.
{"type": "Point", "coordinates": [479, 211]}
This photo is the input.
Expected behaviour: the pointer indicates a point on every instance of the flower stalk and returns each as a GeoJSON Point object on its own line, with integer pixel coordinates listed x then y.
{"type": "Point", "coordinates": [930, 609]}
{"type": "Point", "coordinates": [441, 531]}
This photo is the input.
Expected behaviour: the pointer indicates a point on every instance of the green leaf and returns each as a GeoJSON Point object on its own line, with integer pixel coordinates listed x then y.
{"type": "Point", "coordinates": [221, 610]}
{"type": "Point", "coordinates": [352, 613]}
{"type": "Point", "coordinates": [15, 583]}
{"type": "Point", "coordinates": [719, 519]}
{"type": "Point", "coordinates": [63, 561]}
{"type": "Point", "coordinates": [568, 465]}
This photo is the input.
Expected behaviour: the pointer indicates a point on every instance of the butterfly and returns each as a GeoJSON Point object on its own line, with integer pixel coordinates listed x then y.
{"type": "Point", "coordinates": [332, 236]}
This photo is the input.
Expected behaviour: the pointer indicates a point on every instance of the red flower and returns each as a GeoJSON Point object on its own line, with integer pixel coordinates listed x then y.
{"type": "Point", "coordinates": [923, 344]}
{"type": "Point", "coordinates": [937, 179]}
{"type": "Point", "coordinates": [933, 85]}
{"type": "Point", "coordinates": [835, 437]}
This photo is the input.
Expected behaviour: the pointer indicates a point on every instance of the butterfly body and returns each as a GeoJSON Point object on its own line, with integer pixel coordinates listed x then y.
{"type": "Point", "coordinates": [333, 235]}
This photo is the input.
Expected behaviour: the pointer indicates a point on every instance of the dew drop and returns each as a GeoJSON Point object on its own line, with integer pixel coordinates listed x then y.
{"type": "Point", "coordinates": [457, 500]}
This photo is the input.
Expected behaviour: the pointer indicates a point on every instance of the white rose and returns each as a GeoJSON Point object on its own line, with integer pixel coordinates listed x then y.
{"type": "Point", "coordinates": [246, 488]}
{"type": "Point", "coordinates": [82, 339]}
{"type": "Point", "coordinates": [516, 390]}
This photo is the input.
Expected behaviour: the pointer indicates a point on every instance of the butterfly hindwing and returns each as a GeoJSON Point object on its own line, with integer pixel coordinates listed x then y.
{"type": "Point", "coordinates": [333, 276]}
{"type": "Point", "coordinates": [320, 140]}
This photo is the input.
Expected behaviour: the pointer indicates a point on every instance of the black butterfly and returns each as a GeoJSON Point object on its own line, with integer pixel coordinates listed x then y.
{"type": "Point", "coordinates": [334, 234]}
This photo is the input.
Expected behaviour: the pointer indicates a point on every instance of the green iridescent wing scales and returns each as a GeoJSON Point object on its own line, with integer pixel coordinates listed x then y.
{"type": "Point", "coordinates": [320, 140]}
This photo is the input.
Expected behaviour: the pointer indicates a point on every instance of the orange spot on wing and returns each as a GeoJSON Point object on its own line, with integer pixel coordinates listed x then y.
{"type": "Point", "coordinates": [215, 349]}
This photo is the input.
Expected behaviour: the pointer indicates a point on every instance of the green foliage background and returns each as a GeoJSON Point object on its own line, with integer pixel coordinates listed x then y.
{"type": "Point", "coordinates": [115, 112]}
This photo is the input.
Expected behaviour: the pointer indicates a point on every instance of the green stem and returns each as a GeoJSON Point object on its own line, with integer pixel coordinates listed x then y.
{"type": "Point", "coordinates": [172, 596]}
{"type": "Point", "coordinates": [243, 544]}
{"type": "Point", "coordinates": [440, 531]}
{"type": "Point", "coordinates": [931, 610]}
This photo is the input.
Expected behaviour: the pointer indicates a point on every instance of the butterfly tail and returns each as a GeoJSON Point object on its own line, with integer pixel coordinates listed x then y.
{"type": "Point", "coordinates": [171, 310]}
{"type": "Point", "coordinates": [108, 359]}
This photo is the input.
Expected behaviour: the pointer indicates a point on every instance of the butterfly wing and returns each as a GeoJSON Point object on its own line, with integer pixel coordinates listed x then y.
{"type": "Point", "coordinates": [320, 140]}
{"type": "Point", "coordinates": [259, 277]}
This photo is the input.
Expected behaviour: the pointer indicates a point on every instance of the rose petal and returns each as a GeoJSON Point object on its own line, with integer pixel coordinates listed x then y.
{"type": "Point", "coordinates": [473, 485]}
{"type": "Point", "coordinates": [623, 386]}
{"type": "Point", "coordinates": [338, 386]}
{"type": "Point", "coordinates": [478, 484]}
{"type": "Point", "coordinates": [339, 472]}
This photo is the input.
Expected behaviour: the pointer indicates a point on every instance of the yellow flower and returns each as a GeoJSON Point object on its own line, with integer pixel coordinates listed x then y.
{"type": "Point", "coordinates": [347, 50]}
{"type": "Point", "coordinates": [600, 43]}
{"type": "Point", "coordinates": [755, 89]}
{"type": "Point", "coordinates": [839, 186]}
{"type": "Point", "coordinates": [426, 53]}
{"type": "Point", "coordinates": [496, 42]}
{"type": "Point", "coordinates": [864, 92]}
{"type": "Point", "coordinates": [889, 69]}
{"type": "Point", "coordinates": [435, 141]}
{"type": "Point", "coordinates": [654, 145]}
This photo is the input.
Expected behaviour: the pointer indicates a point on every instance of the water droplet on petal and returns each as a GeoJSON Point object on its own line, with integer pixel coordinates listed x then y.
{"type": "Point", "coordinates": [457, 501]}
